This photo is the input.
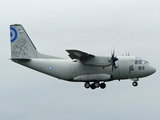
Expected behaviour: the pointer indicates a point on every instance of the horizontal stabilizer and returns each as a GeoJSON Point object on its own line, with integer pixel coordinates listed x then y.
{"type": "Point", "coordinates": [20, 60]}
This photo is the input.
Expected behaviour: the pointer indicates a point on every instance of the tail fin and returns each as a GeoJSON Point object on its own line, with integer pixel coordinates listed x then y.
{"type": "Point", "coordinates": [21, 45]}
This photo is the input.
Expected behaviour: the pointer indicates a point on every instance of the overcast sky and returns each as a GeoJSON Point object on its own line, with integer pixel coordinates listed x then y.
{"type": "Point", "coordinates": [93, 26]}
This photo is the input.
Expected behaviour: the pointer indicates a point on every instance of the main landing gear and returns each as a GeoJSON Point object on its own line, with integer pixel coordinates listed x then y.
{"type": "Point", "coordinates": [95, 85]}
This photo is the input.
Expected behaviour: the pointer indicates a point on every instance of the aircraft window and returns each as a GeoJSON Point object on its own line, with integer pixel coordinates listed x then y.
{"type": "Point", "coordinates": [136, 62]}
{"type": "Point", "coordinates": [140, 61]}
{"type": "Point", "coordinates": [139, 67]}
{"type": "Point", "coordinates": [146, 62]}
{"type": "Point", "coordinates": [142, 67]}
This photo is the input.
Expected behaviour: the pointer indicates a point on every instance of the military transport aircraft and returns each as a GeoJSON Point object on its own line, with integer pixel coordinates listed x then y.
{"type": "Point", "coordinates": [93, 70]}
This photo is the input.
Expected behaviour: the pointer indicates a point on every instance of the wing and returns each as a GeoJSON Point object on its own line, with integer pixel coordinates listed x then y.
{"type": "Point", "coordinates": [76, 54]}
{"type": "Point", "coordinates": [89, 59]}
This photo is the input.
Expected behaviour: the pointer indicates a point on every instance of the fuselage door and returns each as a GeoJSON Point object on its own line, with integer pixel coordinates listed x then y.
{"type": "Point", "coordinates": [123, 68]}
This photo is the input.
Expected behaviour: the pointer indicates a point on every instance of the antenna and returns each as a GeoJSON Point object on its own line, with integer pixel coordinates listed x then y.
{"type": "Point", "coordinates": [128, 54]}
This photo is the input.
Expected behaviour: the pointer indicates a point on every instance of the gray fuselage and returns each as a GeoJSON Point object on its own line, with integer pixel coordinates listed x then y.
{"type": "Point", "coordinates": [66, 69]}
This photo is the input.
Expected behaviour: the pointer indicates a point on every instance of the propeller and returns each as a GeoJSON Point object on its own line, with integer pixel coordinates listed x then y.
{"type": "Point", "coordinates": [113, 60]}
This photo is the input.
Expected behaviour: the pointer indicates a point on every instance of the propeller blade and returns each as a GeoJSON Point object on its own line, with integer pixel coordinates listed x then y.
{"type": "Point", "coordinates": [113, 60]}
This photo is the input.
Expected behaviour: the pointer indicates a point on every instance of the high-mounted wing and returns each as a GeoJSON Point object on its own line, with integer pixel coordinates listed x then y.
{"type": "Point", "coordinates": [89, 59]}
{"type": "Point", "coordinates": [76, 54]}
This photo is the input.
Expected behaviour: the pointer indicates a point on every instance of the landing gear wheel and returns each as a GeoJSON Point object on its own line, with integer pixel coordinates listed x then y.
{"type": "Point", "coordinates": [102, 85]}
{"type": "Point", "coordinates": [96, 84]}
{"type": "Point", "coordinates": [135, 84]}
{"type": "Point", "coordinates": [93, 86]}
{"type": "Point", "coordinates": [87, 85]}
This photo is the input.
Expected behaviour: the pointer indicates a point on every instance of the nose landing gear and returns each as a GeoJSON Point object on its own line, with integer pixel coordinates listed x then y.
{"type": "Point", "coordinates": [135, 84]}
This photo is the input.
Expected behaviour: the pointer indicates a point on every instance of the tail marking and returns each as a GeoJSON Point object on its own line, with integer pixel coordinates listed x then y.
{"type": "Point", "coordinates": [13, 34]}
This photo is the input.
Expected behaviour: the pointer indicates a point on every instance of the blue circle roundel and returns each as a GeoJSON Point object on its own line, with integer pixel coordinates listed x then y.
{"type": "Point", "coordinates": [50, 67]}
{"type": "Point", "coordinates": [13, 34]}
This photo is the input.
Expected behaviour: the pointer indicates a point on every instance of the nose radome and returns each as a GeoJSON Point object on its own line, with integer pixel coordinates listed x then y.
{"type": "Point", "coordinates": [152, 70]}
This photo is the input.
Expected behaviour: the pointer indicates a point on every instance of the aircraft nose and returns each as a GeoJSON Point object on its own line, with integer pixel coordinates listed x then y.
{"type": "Point", "coordinates": [152, 70]}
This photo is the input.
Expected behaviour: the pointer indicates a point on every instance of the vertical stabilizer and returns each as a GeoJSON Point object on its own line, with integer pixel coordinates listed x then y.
{"type": "Point", "coordinates": [21, 45]}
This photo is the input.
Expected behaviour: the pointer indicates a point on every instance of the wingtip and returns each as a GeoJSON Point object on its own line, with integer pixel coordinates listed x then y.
{"type": "Point", "coordinates": [67, 51]}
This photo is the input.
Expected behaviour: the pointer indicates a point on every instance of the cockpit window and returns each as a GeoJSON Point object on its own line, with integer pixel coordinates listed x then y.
{"type": "Point", "coordinates": [136, 62]}
{"type": "Point", "coordinates": [141, 62]}
{"type": "Point", "coordinates": [144, 62]}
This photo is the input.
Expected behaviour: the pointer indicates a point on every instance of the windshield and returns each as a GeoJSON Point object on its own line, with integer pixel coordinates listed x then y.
{"type": "Point", "coordinates": [144, 62]}
{"type": "Point", "coordinates": [141, 62]}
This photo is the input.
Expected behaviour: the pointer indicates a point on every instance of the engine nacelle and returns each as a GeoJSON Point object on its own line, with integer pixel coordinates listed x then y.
{"type": "Point", "coordinates": [98, 61]}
